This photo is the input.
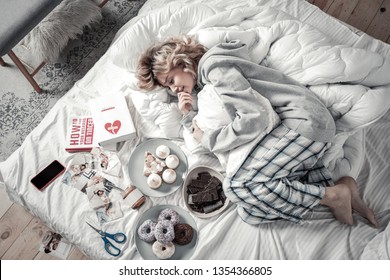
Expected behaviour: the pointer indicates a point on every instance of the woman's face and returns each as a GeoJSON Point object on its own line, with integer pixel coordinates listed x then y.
{"type": "Point", "coordinates": [177, 80]}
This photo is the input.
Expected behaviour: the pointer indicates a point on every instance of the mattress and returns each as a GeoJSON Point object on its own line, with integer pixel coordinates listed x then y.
{"type": "Point", "coordinates": [359, 104]}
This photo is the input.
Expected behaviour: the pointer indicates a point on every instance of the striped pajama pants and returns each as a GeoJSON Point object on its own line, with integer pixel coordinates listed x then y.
{"type": "Point", "coordinates": [282, 178]}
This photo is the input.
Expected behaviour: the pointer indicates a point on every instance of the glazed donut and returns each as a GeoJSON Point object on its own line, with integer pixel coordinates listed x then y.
{"type": "Point", "coordinates": [164, 231]}
{"type": "Point", "coordinates": [146, 231]}
{"type": "Point", "coordinates": [170, 215]}
{"type": "Point", "coordinates": [183, 234]}
{"type": "Point", "coordinates": [163, 251]}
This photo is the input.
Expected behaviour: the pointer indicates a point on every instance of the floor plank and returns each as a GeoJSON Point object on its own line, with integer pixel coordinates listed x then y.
{"type": "Point", "coordinates": [26, 247]}
{"type": "Point", "coordinates": [380, 25]}
{"type": "Point", "coordinates": [322, 4]}
{"type": "Point", "coordinates": [12, 224]}
{"type": "Point", "coordinates": [44, 256]}
{"type": "Point", "coordinates": [76, 254]}
{"type": "Point", "coordinates": [363, 14]}
{"type": "Point", "coordinates": [342, 9]}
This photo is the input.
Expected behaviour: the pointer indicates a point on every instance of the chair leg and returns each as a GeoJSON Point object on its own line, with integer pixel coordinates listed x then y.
{"type": "Point", "coordinates": [24, 71]}
{"type": "Point", "coordinates": [2, 62]}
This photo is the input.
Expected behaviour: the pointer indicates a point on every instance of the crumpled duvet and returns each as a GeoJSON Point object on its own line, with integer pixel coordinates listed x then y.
{"type": "Point", "coordinates": [353, 83]}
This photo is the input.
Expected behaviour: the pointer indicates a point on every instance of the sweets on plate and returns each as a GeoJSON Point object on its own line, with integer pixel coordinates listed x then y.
{"type": "Point", "coordinates": [169, 214]}
{"type": "Point", "coordinates": [154, 181]}
{"type": "Point", "coordinates": [165, 232]}
{"type": "Point", "coordinates": [169, 176]}
{"type": "Point", "coordinates": [163, 151]}
{"type": "Point", "coordinates": [152, 164]}
{"type": "Point", "coordinates": [183, 234]}
{"type": "Point", "coordinates": [205, 193]}
{"type": "Point", "coordinates": [156, 166]}
{"type": "Point", "coordinates": [172, 161]}
{"type": "Point", "coordinates": [146, 231]}
{"type": "Point", "coordinates": [163, 251]}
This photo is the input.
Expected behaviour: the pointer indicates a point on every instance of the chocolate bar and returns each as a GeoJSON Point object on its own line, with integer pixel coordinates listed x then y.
{"type": "Point", "coordinates": [199, 184]}
{"type": "Point", "coordinates": [212, 207]}
{"type": "Point", "coordinates": [205, 193]}
{"type": "Point", "coordinates": [214, 181]}
{"type": "Point", "coordinates": [204, 176]}
{"type": "Point", "coordinates": [193, 189]}
{"type": "Point", "coordinates": [205, 196]}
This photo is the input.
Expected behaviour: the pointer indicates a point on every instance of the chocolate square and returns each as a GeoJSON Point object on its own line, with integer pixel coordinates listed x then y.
{"type": "Point", "coordinates": [205, 196]}
{"type": "Point", "coordinates": [212, 207]}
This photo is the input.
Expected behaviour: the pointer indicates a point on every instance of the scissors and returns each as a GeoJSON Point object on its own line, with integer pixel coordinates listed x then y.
{"type": "Point", "coordinates": [118, 237]}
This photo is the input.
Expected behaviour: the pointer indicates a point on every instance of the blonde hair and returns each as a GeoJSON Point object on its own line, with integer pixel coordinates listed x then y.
{"type": "Point", "coordinates": [164, 56]}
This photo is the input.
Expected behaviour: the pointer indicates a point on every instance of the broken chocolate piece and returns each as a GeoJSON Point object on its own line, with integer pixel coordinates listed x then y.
{"type": "Point", "coordinates": [212, 207]}
{"type": "Point", "coordinates": [199, 184]}
{"type": "Point", "coordinates": [205, 196]}
{"type": "Point", "coordinates": [194, 189]}
{"type": "Point", "coordinates": [204, 176]}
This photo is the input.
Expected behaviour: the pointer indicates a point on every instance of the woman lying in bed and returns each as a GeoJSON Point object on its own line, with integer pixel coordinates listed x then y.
{"type": "Point", "coordinates": [271, 130]}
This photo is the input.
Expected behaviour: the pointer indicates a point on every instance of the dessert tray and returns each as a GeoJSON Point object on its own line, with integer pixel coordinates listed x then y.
{"type": "Point", "coordinates": [136, 167]}
{"type": "Point", "coordinates": [182, 252]}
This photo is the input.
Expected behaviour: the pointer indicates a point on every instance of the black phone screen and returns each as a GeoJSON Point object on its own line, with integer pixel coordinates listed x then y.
{"type": "Point", "coordinates": [47, 175]}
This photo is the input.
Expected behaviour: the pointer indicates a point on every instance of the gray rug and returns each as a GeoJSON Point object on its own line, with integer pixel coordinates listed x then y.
{"type": "Point", "coordinates": [21, 108]}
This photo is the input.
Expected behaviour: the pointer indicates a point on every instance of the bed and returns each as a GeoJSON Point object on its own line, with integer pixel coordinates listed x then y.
{"type": "Point", "coordinates": [291, 36]}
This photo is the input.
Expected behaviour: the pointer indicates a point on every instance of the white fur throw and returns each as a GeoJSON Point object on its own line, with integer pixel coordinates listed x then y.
{"type": "Point", "coordinates": [65, 22]}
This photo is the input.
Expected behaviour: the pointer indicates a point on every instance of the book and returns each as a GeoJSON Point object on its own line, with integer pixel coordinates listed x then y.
{"type": "Point", "coordinates": [112, 119]}
{"type": "Point", "coordinates": [80, 135]}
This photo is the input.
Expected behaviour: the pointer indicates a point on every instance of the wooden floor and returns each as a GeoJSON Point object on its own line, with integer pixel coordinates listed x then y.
{"type": "Point", "coordinates": [21, 233]}
{"type": "Point", "coordinates": [370, 16]}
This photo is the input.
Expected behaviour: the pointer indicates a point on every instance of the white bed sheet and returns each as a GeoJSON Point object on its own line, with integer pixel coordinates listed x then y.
{"type": "Point", "coordinates": [65, 210]}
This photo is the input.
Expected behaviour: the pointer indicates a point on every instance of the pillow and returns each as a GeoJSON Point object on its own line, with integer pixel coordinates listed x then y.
{"type": "Point", "coordinates": [159, 117]}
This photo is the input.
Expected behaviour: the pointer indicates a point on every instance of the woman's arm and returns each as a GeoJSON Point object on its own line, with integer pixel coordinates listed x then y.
{"type": "Point", "coordinates": [251, 114]}
{"type": "Point", "coordinates": [186, 121]}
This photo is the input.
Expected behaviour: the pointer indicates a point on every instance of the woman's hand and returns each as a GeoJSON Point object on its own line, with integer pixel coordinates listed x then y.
{"type": "Point", "coordinates": [185, 102]}
{"type": "Point", "coordinates": [197, 132]}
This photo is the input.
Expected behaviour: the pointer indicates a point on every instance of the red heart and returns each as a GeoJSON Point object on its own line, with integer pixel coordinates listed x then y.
{"type": "Point", "coordinates": [113, 127]}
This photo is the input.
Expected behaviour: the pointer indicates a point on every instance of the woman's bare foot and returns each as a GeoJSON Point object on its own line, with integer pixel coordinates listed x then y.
{"type": "Point", "coordinates": [357, 203]}
{"type": "Point", "coordinates": [338, 199]}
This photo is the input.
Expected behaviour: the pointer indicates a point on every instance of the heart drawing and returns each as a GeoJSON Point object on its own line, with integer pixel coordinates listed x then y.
{"type": "Point", "coordinates": [113, 127]}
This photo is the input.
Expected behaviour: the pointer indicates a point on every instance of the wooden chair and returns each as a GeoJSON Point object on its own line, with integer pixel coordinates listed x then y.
{"type": "Point", "coordinates": [17, 19]}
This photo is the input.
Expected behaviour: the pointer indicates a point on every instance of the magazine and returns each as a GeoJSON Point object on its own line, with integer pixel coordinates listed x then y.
{"type": "Point", "coordinates": [89, 173]}
{"type": "Point", "coordinates": [80, 134]}
{"type": "Point", "coordinates": [54, 245]}
{"type": "Point", "coordinates": [112, 119]}
{"type": "Point", "coordinates": [84, 166]}
{"type": "Point", "coordinates": [98, 192]}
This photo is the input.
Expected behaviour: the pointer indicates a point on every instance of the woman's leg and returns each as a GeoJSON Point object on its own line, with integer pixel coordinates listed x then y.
{"type": "Point", "coordinates": [338, 199]}
{"type": "Point", "coordinates": [357, 203]}
{"type": "Point", "coordinates": [342, 197]}
{"type": "Point", "coordinates": [268, 184]}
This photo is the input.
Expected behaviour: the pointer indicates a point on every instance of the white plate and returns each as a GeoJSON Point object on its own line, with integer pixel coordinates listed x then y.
{"type": "Point", "coordinates": [136, 167]}
{"type": "Point", "coordinates": [193, 174]}
{"type": "Point", "coordinates": [182, 252]}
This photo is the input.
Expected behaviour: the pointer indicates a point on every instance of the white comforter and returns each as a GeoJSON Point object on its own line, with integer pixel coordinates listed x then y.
{"type": "Point", "coordinates": [277, 40]}
{"type": "Point", "coordinates": [354, 83]}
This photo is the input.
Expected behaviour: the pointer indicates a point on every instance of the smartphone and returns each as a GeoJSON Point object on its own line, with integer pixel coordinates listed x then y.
{"type": "Point", "coordinates": [48, 175]}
